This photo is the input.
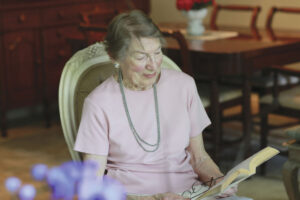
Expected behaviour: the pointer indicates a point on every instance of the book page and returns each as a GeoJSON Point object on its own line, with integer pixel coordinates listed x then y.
{"type": "Point", "coordinates": [247, 167]}
{"type": "Point", "coordinates": [236, 174]}
{"type": "Point", "coordinates": [263, 156]}
{"type": "Point", "coordinates": [241, 172]}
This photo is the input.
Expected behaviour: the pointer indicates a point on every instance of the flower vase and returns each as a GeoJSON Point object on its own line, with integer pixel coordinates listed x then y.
{"type": "Point", "coordinates": [195, 21]}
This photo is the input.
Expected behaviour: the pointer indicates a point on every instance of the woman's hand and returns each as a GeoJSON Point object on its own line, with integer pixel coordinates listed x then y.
{"type": "Point", "coordinates": [227, 193]}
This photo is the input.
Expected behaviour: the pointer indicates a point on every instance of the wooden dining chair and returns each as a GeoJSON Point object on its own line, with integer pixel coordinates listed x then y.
{"type": "Point", "coordinates": [252, 27]}
{"type": "Point", "coordinates": [249, 31]}
{"type": "Point", "coordinates": [263, 83]}
{"type": "Point", "coordinates": [270, 19]}
{"type": "Point", "coordinates": [254, 10]}
{"type": "Point", "coordinates": [284, 99]}
{"type": "Point", "coordinates": [280, 102]}
{"type": "Point", "coordinates": [292, 11]}
{"type": "Point", "coordinates": [185, 61]}
{"type": "Point", "coordinates": [228, 96]}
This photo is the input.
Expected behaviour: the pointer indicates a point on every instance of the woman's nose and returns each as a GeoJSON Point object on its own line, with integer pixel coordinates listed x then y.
{"type": "Point", "coordinates": [151, 63]}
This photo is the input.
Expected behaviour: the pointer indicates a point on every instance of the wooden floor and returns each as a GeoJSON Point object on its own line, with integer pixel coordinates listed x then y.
{"type": "Point", "coordinates": [28, 145]}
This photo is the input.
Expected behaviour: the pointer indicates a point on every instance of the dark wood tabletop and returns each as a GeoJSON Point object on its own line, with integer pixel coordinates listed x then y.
{"type": "Point", "coordinates": [259, 51]}
{"type": "Point", "coordinates": [239, 55]}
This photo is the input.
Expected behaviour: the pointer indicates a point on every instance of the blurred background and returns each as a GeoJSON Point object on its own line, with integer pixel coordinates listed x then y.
{"type": "Point", "coordinates": [39, 37]}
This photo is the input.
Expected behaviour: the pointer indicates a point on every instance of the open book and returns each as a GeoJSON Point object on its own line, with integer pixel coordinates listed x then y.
{"type": "Point", "coordinates": [239, 173]}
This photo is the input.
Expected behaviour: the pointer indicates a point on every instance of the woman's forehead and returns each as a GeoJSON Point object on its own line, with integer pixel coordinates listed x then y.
{"type": "Point", "coordinates": [144, 44]}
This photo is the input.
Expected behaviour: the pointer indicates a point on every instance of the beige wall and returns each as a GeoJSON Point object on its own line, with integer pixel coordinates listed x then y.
{"type": "Point", "coordinates": [166, 11]}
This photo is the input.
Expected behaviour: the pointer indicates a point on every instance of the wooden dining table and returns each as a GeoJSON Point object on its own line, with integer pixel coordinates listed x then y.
{"type": "Point", "coordinates": [242, 55]}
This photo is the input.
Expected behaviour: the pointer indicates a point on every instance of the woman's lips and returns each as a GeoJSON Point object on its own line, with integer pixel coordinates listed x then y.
{"type": "Point", "coordinates": [150, 75]}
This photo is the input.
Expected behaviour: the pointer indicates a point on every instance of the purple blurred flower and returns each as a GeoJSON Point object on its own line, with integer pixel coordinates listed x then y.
{"type": "Point", "coordinates": [112, 189]}
{"type": "Point", "coordinates": [39, 171]}
{"type": "Point", "coordinates": [61, 186]}
{"type": "Point", "coordinates": [97, 189]}
{"type": "Point", "coordinates": [27, 192]}
{"type": "Point", "coordinates": [94, 188]}
{"type": "Point", "coordinates": [55, 175]}
{"type": "Point", "coordinates": [12, 184]}
{"type": "Point", "coordinates": [90, 189]}
{"type": "Point", "coordinates": [90, 169]}
{"type": "Point", "coordinates": [73, 170]}
{"type": "Point", "coordinates": [69, 179]}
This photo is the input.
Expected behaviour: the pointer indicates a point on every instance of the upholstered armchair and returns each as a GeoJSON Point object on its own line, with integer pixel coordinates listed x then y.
{"type": "Point", "coordinates": [85, 70]}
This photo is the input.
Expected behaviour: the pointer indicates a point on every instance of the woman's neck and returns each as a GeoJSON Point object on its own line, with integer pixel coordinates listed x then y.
{"type": "Point", "coordinates": [129, 85]}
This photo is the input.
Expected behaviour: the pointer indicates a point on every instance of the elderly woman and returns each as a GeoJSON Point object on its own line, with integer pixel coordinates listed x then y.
{"type": "Point", "coordinates": [144, 124]}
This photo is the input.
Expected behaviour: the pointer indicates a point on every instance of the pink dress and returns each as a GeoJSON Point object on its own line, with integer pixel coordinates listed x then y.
{"type": "Point", "coordinates": [104, 130]}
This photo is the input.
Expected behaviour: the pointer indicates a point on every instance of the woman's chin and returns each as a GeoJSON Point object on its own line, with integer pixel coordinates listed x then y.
{"type": "Point", "coordinates": [147, 84]}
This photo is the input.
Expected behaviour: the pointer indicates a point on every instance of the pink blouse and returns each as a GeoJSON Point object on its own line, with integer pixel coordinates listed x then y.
{"type": "Point", "coordinates": [104, 130]}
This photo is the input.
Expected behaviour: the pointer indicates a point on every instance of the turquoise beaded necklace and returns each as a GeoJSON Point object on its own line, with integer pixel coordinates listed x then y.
{"type": "Point", "coordinates": [142, 143]}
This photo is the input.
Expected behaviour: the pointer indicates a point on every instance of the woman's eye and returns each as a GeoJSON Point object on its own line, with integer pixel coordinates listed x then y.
{"type": "Point", "coordinates": [158, 53]}
{"type": "Point", "coordinates": [140, 57]}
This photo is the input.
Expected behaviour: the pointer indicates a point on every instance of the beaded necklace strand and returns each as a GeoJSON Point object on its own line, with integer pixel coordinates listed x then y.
{"type": "Point", "coordinates": [142, 143]}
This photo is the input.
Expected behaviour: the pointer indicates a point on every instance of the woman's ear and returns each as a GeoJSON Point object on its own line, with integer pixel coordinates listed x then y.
{"type": "Point", "coordinates": [116, 65]}
{"type": "Point", "coordinates": [115, 62]}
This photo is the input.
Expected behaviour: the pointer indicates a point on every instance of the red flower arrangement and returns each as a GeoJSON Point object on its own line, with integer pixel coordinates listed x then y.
{"type": "Point", "coordinates": [193, 4]}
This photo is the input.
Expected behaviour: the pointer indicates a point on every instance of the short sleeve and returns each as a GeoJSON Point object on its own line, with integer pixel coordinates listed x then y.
{"type": "Point", "coordinates": [92, 137]}
{"type": "Point", "coordinates": [198, 116]}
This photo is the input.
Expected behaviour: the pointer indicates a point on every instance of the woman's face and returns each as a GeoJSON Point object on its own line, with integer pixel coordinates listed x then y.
{"type": "Point", "coordinates": [141, 67]}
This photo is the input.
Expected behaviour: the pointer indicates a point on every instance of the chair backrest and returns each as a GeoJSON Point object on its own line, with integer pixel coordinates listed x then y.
{"type": "Point", "coordinates": [253, 9]}
{"type": "Point", "coordinates": [82, 73]}
{"type": "Point", "coordinates": [183, 46]}
{"type": "Point", "coordinates": [271, 14]}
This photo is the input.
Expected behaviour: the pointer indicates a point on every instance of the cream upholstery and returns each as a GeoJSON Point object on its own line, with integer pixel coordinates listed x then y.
{"type": "Point", "coordinates": [82, 73]}
{"type": "Point", "coordinates": [226, 94]}
{"type": "Point", "coordinates": [287, 98]}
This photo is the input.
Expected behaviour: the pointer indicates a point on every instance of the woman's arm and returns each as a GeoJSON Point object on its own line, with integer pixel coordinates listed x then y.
{"type": "Point", "coordinates": [100, 160]}
{"type": "Point", "coordinates": [204, 166]}
{"type": "Point", "coordinates": [201, 162]}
